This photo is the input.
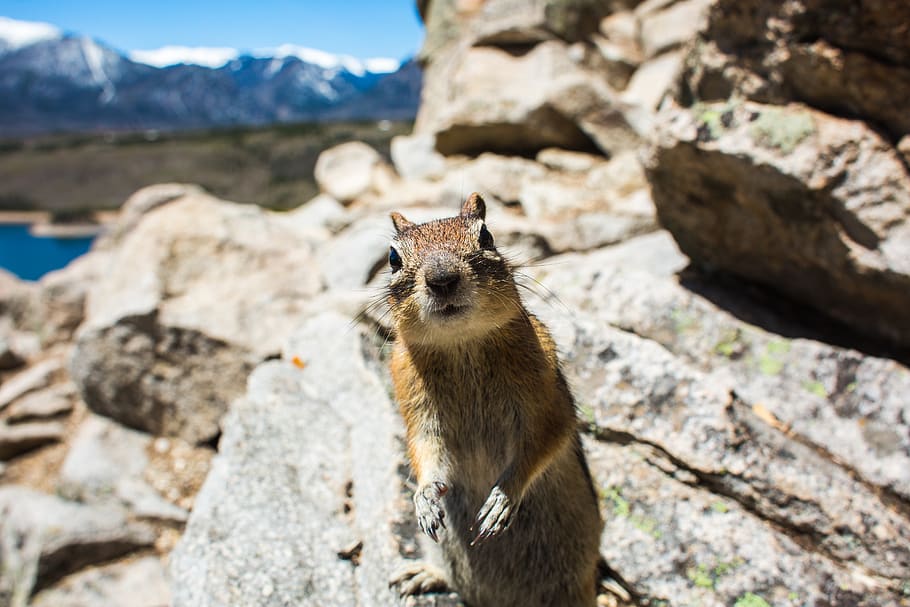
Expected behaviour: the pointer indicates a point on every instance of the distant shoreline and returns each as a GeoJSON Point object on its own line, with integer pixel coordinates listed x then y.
{"type": "Point", "coordinates": [30, 217]}
{"type": "Point", "coordinates": [40, 224]}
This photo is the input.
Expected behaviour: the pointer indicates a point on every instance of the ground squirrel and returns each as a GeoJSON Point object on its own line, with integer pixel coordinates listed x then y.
{"type": "Point", "coordinates": [503, 485]}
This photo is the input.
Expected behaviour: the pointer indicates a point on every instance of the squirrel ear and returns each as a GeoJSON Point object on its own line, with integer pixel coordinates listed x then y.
{"type": "Point", "coordinates": [401, 224]}
{"type": "Point", "coordinates": [474, 207]}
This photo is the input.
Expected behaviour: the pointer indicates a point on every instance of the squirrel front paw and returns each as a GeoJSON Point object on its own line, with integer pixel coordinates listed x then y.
{"type": "Point", "coordinates": [418, 578]}
{"type": "Point", "coordinates": [495, 516]}
{"type": "Point", "coordinates": [428, 506]}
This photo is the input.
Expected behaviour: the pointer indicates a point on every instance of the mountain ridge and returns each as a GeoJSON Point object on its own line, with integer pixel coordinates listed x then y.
{"type": "Point", "coordinates": [52, 81]}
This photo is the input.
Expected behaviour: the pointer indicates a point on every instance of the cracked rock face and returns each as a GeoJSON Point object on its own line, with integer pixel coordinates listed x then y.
{"type": "Point", "coordinates": [778, 159]}
{"type": "Point", "coordinates": [727, 459]}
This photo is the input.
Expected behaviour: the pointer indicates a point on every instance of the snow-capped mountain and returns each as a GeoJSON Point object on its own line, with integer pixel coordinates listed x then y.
{"type": "Point", "coordinates": [55, 81]}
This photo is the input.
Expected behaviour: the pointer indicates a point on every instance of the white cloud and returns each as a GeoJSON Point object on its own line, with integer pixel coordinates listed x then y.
{"type": "Point", "coordinates": [195, 55]}
{"type": "Point", "coordinates": [17, 34]}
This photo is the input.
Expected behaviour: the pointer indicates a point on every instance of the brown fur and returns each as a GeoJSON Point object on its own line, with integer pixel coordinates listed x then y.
{"type": "Point", "coordinates": [491, 426]}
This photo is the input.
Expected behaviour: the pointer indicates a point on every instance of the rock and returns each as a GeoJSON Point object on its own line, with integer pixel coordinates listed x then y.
{"type": "Point", "coordinates": [576, 212]}
{"type": "Point", "coordinates": [321, 212]}
{"type": "Point", "coordinates": [20, 308]}
{"type": "Point", "coordinates": [808, 204]}
{"type": "Point", "coordinates": [348, 170]}
{"type": "Point", "coordinates": [197, 293]}
{"type": "Point", "coordinates": [903, 147]}
{"type": "Point", "coordinates": [38, 376]}
{"type": "Point", "coordinates": [832, 397]}
{"type": "Point", "coordinates": [675, 543]}
{"type": "Point", "coordinates": [140, 203]}
{"type": "Point", "coordinates": [20, 438]}
{"type": "Point", "coordinates": [849, 61]}
{"type": "Point", "coordinates": [63, 294]}
{"type": "Point", "coordinates": [351, 259]}
{"type": "Point", "coordinates": [24, 344]}
{"type": "Point", "coordinates": [497, 178]}
{"type": "Point", "coordinates": [621, 176]}
{"type": "Point", "coordinates": [415, 157]}
{"type": "Point", "coordinates": [491, 100]}
{"type": "Point", "coordinates": [308, 466]}
{"type": "Point", "coordinates": [107, 462]}
{"type": "Point", "coordinates": [746, 414]}
{"type": "Point", "coordinates": [140, 583]}
{"type": "Point", "coordinates": [620, 46]}
{"type": "Point", "coordinates": [42, 404]}
{"type": "Point", "coordinates": [647, 87]}
{"type": "Point", "coordinates": [691, 474]}
{"type": "Point", "coordinates": [621, 27]}
{"type": "Point", "coordinates": [672, 26]}
{"type": "Point", "coordinates": [569, 161]}
{"type": "Point", "coordinates": [9, 357]}
{"type": "Point", "coordinates": [43, 538]}
{"type": "Point", "coordinates": [507, 22]}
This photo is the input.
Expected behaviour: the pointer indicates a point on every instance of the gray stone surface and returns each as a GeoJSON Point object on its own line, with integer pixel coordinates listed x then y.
{"type": "Point", "coordinates": [415, 157]}
{"type": "Point", "coordinates": [347, 170]}
{"type": "Point", "coordinates": [43, 538]}
{"type": "Point", "coordinates": [307, 468]}
{"type": "Point", "coordinates": [748, 418]}
{"type": "Point", "coordinates": [106, 463]}
{"type": "Point", "coordinates": [139, 583]}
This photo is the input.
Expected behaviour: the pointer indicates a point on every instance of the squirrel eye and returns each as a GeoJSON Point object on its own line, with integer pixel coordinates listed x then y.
{"type": "Point", "coordinates": [394, 259]}
{"type": "Point", "coordinates": [486, 239]}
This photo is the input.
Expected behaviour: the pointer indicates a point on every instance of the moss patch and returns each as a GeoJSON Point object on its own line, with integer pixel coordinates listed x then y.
{"type": "Point", "coordinates": [751, 600]}
{"type": "Point", "coordinates": [623, 509]}
{"type": "Point", "coordinates": [619, 504]}
{"type": "Point", "coordinates": [782, 128]}
{"type": "Point", "coordinates": [771, 362]}
{"type": "Point", "coordinates": [816, 388]}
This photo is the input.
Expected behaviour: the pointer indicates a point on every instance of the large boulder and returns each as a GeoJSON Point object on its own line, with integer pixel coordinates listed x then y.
{"type": "Point", "coordinates": [806, 203]}
{"type": "Point", "coordinates": [711, 436]}
{"type": "Point", "coordinates": [197, 293]}
{"type": "Point", "coordinates": [306, 503]}
{"type": "Point", "coordinates": [778, 159]}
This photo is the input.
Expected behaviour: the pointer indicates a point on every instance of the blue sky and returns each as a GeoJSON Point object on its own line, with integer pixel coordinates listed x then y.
{"type": "Point", "coordinates": [361, 28]}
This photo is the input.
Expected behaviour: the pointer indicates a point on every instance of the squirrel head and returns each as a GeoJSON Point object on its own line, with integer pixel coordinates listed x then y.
{"type": "Point", "coordinates": [448, 282]}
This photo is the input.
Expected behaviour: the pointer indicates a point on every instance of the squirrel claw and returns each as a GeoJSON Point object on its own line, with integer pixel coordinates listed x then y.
{"type": "Point", "coordinates": [495, 516]}
{"type": "Point", "coordinates": [428, 506]}
{"type": "Point", "coordinates": [417, 578]}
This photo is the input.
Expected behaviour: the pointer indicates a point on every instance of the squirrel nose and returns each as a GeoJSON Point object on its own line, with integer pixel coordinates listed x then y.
{"type": "Point", "coordinates": [443, 283]}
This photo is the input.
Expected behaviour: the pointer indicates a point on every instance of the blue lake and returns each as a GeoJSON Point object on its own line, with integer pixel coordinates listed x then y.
{"type": "Point", "coordinates": [31, 257]}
